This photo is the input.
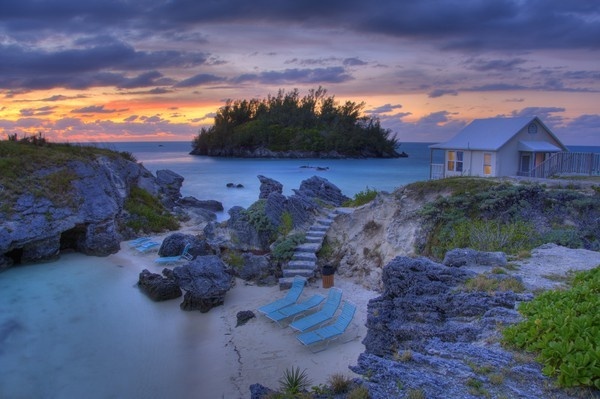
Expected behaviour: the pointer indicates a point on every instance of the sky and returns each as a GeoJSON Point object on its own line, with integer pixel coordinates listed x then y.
{"type": "Point", "coordinates": [150, 70]}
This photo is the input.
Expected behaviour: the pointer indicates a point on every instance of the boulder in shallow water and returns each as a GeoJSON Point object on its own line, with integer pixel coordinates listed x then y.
{"type": "Point", "coordinates": [157, 287]}
{"type": "Point", "coordinates": [205, 281]}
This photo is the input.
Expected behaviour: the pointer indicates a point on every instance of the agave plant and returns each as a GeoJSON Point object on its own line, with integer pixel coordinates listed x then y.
{"type": "Point", "coordinates": [294, 381]}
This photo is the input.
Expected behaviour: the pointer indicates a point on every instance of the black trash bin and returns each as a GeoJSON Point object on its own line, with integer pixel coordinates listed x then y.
{"type": "Point", "coordinates": [327, 273]}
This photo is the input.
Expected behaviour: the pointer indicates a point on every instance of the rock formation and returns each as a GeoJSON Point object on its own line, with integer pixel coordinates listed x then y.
{"type": "Point", "coordinates": [205, 282]}
{"type": "Point", "coordinates": [425, 333]}
{"type": "Point", "coordinates": [157, 287]}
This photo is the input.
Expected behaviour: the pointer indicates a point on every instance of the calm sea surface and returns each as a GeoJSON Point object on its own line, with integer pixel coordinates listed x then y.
{"type": "Point", "coordinates": [80, 328]}
{"type": "Point", "coordinates": [207, 177]}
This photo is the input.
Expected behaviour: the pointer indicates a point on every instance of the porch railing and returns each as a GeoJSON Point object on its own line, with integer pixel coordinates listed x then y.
{"type": "Point", "coordinates": [437, 171]}
{"type": "Point", "coordinates": [577, 163]}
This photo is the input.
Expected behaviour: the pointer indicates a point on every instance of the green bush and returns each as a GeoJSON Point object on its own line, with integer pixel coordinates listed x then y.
{"type": "Point", "coordinates": [283, 248]}
{"type": "Point", "coordinates": [563, 328]}
{"type": "Point", "coordinates": [257, 217]}
{"type": "Point", "coordinates": [147, 213]}
{"type": "Point", "coordinates": [361, 198]}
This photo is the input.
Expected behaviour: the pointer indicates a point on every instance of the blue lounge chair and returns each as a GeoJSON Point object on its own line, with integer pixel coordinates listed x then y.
{"type": "Point", "coordinates": [328, 333]}
{"type": "Point", "coordinates": [185, 255]}
{"type": "Point", "coordinates": [325, 314]}
{"type": "Point", "coordinates": [295, 309]}
{"type": "Point", "coordinates": [289, 299]}
{"type": "Point", "coordinates": [145, 246]}
{"type": "Point", "coordinates": [138, 241]}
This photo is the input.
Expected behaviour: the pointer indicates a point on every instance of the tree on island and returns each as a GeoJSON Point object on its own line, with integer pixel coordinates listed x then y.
{"type": "Point", "coordinates": [313, 124]}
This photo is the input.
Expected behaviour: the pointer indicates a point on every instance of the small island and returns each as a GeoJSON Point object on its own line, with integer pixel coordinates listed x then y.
{"type": "Point", "coordinates": [290, 126]}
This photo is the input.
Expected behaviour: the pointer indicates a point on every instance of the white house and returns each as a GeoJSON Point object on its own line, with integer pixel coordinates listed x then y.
{"type": "Point", "coordinates": [497, 147]}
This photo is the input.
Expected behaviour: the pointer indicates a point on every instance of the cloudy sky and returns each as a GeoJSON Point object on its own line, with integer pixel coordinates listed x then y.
{"type": "Point", "coordinates": [126, 70]}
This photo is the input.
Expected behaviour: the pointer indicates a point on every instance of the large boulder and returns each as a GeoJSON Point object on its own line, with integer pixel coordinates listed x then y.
{"type": "Point", "coordinates": [205, 282]}
{"type": "Point", "coordinates": [321, 189]}
{"type": "Point", "coordinates": [170, 186]}
{"type": "Point", "coordinates": [257, 268]}
{"type": "Point", "coordinates": [174, 244]}
{"type": "Point", "coordinates": [469, 257]}
{"type": "Point", "coordinates": [157, 287]}
{"type": "Point", "coordinates": [209, 205]}
{"type": "Point", "coordinates": [244, 234]}
{"type": "Point", "coordinates": [268, 186]}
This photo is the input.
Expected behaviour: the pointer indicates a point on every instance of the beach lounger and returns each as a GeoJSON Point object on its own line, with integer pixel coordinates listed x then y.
{"type": "Point", "coordinates": [289, 299]}
{"type": "Point", "coordinates": [295, 309]}
{"type": "Point", "coordinates": [185, 255]}
{"type": "Point", "coordinates": [146, 246]}
{"type": "Point", "coordinates": [138, 241]}
{"type": "Point", "coordinates": [330, 332]}
{"type": "Point", "coordinates": [334, 298]}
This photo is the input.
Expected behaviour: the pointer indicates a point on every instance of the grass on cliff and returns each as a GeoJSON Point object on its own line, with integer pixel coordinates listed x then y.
{"type": "Point", "coordinates": [563, 328]}
{"type": "Point", "coordinates": [41, 168]}
{"type": "Point", "coordinates": [147, 214]}
{"type": "Point", "coordinates": [491, 215]}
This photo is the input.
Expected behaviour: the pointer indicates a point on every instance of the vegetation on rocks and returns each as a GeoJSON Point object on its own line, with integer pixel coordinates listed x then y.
{"type": "Point", "coordinates": [34, 165]}
{"type": "Point", "coordinates": [361, 198]}
{"type": "Point", "coordinates": [287, 122]}
{"type": "Point", "coordinates": [147, 214]}
{"type": "Point", "coordinates": [490, 215]}
{"type": "Point", "coordinates": [563, 328]}
{"type": "Point", "coordinates": [284, 246]}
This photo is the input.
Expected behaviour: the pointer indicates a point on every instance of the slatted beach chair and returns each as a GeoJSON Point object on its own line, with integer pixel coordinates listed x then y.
{"type": "Point", "coordinates": [295, 309]}
{"type": "Point", "coordinates": [185, 255]}
{"type": "Point", "coordinates": [147, 246]}
{"type": "Point", "coordinates": [138, 241]}
{"type": "Point", "coordinates": [289, 299]}
{"type": "Point", "coordinates": [326, 334]}
{"type": "Point", "coordinates": [322, 316]}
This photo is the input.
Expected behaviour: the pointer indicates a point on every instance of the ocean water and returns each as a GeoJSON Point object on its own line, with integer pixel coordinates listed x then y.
{"type": "Point", "coordinates": [79, 327]}
{"type": "Point", "coordinates": [207, 177]}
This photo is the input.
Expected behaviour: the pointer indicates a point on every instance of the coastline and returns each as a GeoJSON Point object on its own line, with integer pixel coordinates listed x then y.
{"type": "Point", "coordinates": [80, 327]}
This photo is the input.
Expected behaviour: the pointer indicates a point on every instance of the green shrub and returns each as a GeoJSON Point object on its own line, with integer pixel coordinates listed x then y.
{"type": "Point", "coordinates": [361, 198]}
{"type": "Point", "coordinates": [339, 383]}
{"type": "Point", "coordinates": [286, 224]}
{"type": "Point", "coordinates": [294, 381]}
{"type": "Point", "coordinates": [563, 328]}
{"type": "Point", "coordinates": [257, 217]}
{"type": "Point", "coordinates": [360, 392]}
{"type": "Point", "coordinates": [283, 248]}
{"type": "Point", "coordinates": [494, 283]}
{"type": "Point", "coordinates": [147, 213]}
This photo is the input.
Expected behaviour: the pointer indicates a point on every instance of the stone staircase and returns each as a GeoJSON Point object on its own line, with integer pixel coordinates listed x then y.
{"type": "Point", "coordinates": [304, 260]}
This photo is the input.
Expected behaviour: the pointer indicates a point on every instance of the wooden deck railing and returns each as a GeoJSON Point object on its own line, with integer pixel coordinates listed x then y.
{"type": "Point", "coordinates": [577, 163]}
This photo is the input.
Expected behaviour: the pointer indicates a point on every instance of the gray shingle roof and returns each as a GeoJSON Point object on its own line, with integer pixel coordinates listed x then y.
{"type": "Point", "coordinates": [486, 134]}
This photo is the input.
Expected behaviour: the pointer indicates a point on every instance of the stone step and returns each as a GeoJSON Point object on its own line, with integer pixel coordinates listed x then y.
{"type": "Point", "coordinates": [325, 222]}
{"type": "Point", "coordinates": [315, 233]}
{"type": "Point", "coordinates": [308, 247]}
{"type": "Point", "coordinates": [318, 227]}
{"type": "Point", "coordinates": [343, 211]}
{"type": "Point", "coordinates": [301, 264]}
{"type": "Point", "coordinates": [298, 272]}
{"type": "Point", "coordinates": [308, 256]}
{"type": "Point", "coordinates": [313, 239]}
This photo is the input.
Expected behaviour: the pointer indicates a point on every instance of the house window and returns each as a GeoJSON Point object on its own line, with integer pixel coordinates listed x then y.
{"type": "Point", "coordinates": [487, 164]}
{"type": "Point", "coordinates": [455, 161]}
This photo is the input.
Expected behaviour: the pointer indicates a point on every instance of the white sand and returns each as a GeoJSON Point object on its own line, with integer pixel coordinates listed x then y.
{"type": "Point", "coordinates": [260, 351]}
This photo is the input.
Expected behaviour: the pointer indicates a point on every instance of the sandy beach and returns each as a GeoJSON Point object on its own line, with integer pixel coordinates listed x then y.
{"type": "Point", "coordinates": [260, 350]}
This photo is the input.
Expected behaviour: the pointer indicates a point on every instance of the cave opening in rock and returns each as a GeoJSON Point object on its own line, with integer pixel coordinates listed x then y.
{"type": "Point", "coordinates": [71, 239]}
{"type": "Point", "coordinates": [16, 255]}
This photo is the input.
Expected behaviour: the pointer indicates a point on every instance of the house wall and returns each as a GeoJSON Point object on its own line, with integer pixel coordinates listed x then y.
{"type": "Point", "coordinates": [509, 155]}
{"type": "Point", "coordinates": [473, 164]}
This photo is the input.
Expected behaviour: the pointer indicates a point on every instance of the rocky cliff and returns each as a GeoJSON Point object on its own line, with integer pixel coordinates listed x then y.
{"type": "Point", "coordinates": [85, 211]}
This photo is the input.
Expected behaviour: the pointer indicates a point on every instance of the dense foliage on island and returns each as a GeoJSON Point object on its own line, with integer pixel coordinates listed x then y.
{"type": "Point", "coordinates": [292, 126]}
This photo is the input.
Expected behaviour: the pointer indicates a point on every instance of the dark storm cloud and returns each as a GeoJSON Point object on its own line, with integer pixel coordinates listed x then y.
{"type": "Point", "coordinates": [200, 79]}
{"type": "Point", "coordinates": [316, 75]}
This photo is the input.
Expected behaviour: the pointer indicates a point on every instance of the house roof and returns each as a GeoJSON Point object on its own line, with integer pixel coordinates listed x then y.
{"type": "Point", "coordinates": [489, 134]}
{"type": "Point", "coordinates": [537, 146]}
